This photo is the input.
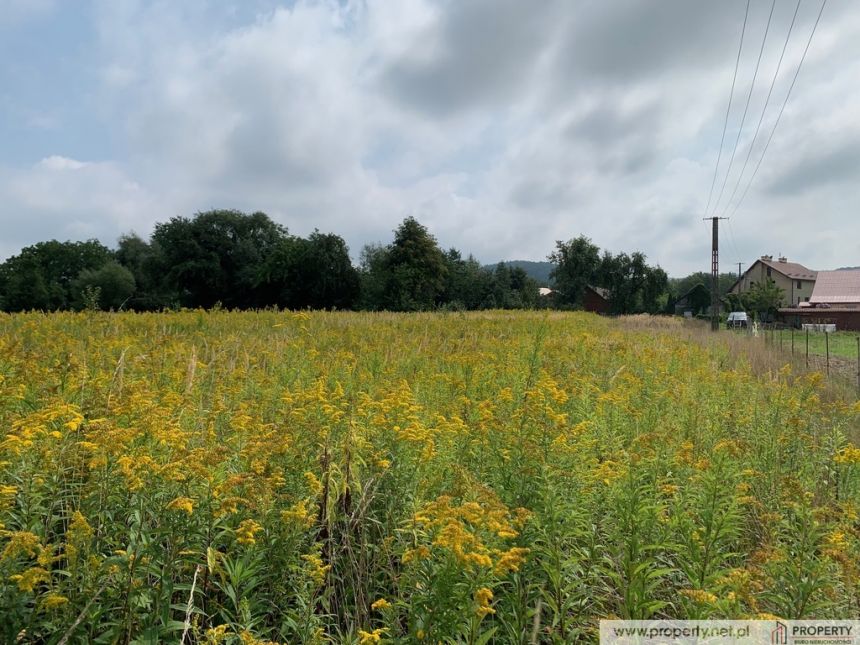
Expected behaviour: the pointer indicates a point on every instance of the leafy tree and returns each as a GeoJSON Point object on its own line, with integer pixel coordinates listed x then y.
{"type": "Point", "coordinates": [373, 276]}
{"type": "Point", "coordinates": [764, 298]}
{"type": "Point", "coordinates": [218, 256]}
{"type": "Point", "coordinates": [42, 275]}
{"type": "Point", "coordinates": [576, 265]}
{"type": "Point", "coordinates": [679, 286]}
{"type": "Point", "coordinates": [510, 288]}
{"type": "Point", "coordinates": [735, 301]}
{"type": "Point", "coordinates": [113, 283]}
{"type": "Point", "coordinates": [415, 269]}
{"type": "Point", "coordinates": [311, 273]}
{"type": "Point", "coordinates": [143, 260]}
{"type": "Point", "coordinates": [634, 286]}
{"type": "Point", "coordinates": [466, 283]}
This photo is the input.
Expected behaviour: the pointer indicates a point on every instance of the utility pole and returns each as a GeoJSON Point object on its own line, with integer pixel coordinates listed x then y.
{"type": "Point", "coordinates": [715, 272]}
{"type": "Point", "coordinates": [740, 264]}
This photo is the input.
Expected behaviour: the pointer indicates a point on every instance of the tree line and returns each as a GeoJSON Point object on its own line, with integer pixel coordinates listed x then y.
{"type": "Point", "coordinates": [244, 261]}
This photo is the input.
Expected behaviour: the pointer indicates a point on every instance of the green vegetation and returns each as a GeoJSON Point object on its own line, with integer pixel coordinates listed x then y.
{"type": "Point", "coordinates": [248, 478]}
{"type": "Point", "coordinates": [842, 343]}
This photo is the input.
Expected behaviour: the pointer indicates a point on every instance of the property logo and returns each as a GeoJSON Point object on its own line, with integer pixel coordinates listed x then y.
{"type": "Point", "coordinates": [779, 634]}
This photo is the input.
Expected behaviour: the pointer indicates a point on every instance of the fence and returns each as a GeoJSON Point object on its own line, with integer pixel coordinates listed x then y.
{"type": "Point", "coordinates": [797, 343]}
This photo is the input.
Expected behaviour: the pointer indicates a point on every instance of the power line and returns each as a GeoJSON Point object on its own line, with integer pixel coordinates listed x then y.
{"type": "Point", "coordinates": [763, 110]}
{"type": "Point", "coordinates": [746, 106]}
{"type": "Point", "coordinates": [732, 238]}
{"type": "Point", "coordinates": [729, 108]}
{"type": "Point", "coordinates": [782, 109]}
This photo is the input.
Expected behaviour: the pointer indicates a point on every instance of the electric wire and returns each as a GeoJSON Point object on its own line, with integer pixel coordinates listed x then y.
{"type": "Point", "coordinates": [763, 110]}
{"type": "Point", "coordinates": [746, 107]}
{"type": "Point", "coordinates": [782, 109]}
{"type": "Point", "coordinates": [734, 243]}
{"type": "Point", "coordinates": [729, 108]}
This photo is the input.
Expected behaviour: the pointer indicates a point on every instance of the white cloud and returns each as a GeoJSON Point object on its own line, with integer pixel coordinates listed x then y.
{"type": "Point", "coordinates": [501, 127]}
{"type": "Point", "coordinates": [62, 198]}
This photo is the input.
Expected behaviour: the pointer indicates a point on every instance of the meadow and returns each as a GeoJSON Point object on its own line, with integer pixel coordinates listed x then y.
{"type": "Point", "coordinates": [217, 477]}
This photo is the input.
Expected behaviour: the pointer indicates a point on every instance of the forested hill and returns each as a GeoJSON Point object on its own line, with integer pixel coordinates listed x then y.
{"type": "Point", "coordinates": [538, 271]}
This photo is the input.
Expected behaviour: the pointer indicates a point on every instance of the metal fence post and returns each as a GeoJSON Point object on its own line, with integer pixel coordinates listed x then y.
{"type": "Point", "coordinates": [807, 347]}
{"type": "Point", "coordinates": [792, 341]}
{"type": "Point", "coordinates": [827, 349]}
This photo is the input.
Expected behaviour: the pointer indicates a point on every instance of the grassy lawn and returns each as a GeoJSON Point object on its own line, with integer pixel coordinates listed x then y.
{"type": "Point", "coordinates": [842, 343]}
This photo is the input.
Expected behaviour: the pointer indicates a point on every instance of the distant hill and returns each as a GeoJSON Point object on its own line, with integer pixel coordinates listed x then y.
{"type": "Point", "coordinates": [847, 268]}
{"type": "Point", "coordinates": [539, 271]}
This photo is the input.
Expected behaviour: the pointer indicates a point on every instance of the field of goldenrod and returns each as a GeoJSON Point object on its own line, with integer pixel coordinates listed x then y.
{"type": "Point", "coordinates": [360, 478]}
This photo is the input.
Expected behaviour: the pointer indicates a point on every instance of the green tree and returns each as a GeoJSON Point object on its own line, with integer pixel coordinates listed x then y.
{"type": "Point", "coordinates": [311, 273]}
{"type": "Point", "coordinates": [466, 281]}
{"type": "Point", "coordinates": [218, 256]}
{"type": "Point", "coordinates": [143, 260]}
{"type": "Point", "coordinates": [113, 282]}
{"type": "Point", "coordinates": [634, 286]}
{"type": "Point", "coordinates": [373, 276]}
{"type": "Point", "coordinates": [415, 269]}
{"type": "Point", "coordinates": [576, 265]}
{"type": "Point", "coordinates": [764, 298]}
{"type": "Point", "coordinates": [510, 288]}
{"type": "Point", "coordinates": [41, 276]}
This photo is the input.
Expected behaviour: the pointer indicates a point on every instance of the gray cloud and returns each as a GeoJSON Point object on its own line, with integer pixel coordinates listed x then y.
{"type": "Point", "coordinates": [481, 54]}
{"type": "Point", "coordinates": [819, 170]}
{"type": "Point", "coordinates": [503, 125]}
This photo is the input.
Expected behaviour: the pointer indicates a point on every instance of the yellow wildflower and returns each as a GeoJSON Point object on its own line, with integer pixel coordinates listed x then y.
{"type": "Point", "coordinates": [700, 596]}
{"type": "Point", "coordinates": [298, 514]}
{"type": "Point", "coordinates": [380, 604]}
{"type": "Point", "coordinates": [21, 543]}
{"type": "Point", "coordinates": [30, 578]}
{"type": "Point", "coordinates": [185, 504]}
{"type": "Point", "coordinates": [247, 531]}
{"type": "Point", "coordinates": [418, 553]}
{"type": "Point", "coordinates": [483, 596]}
{"type": "Point", "coordinates": [313, 483]}
{"type": "Point", "coordinates": [52, 601]}
{"type": "Point", "coordinates": [511, 560]}
{"type": "Point", "coordinates": [315, 567]}
{"type": "Point", "coordinates": [216, 635]}
{"type": "Point", "coordinates": [368, 638]}
{"type": "Point", "coordinates": [848, 455]}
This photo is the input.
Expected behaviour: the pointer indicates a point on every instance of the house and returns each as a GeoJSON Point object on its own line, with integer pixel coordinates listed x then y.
{"type": "Point", "coordinates": [835, 300]}
{"type": "Point", "coordinates": [695, 301]}
{"type": "Point", "coordinates": [596, 299]}
{"type": "Point", "coordinates": [794, 279]}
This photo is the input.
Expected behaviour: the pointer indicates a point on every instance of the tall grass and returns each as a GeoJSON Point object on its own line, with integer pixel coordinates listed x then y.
{"type": "Point", "coordinates": [358, 478]}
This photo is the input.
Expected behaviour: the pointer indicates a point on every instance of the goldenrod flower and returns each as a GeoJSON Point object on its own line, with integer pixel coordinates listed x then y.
{"type": "Point", "coordinates": [368, 638]}
{"type": "Point", "coordinates": [380, 604]}
{"type": "Point", "coordinates": [52, 601]}
{"type": "Point", "coordinates": [247, 531]}
{"type": "Point", "coordinates": [185, 504]}
{"type": "Point", "coordinates": [483, 596]}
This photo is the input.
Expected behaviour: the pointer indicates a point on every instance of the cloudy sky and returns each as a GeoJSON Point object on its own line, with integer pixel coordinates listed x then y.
{"type": "Point", "coordinates": [503, 125]}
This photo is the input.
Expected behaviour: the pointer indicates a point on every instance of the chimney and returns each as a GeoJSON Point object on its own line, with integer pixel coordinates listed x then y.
{"type": "Point", "coordinates": [783, 259]}
{"type": "Point", "coordinates": [767, 257]}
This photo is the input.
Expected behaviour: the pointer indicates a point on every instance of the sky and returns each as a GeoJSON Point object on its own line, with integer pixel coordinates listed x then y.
{"type": "Point", "coordinates": [501, 125]}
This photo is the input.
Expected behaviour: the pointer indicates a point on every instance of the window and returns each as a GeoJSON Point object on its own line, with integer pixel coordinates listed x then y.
{"type": "Point", "coordinates": [799, 284]}
{"type": "Point", "coordinates": [768, 272]}
{"type": "Point", "coordinates": [806, 299]}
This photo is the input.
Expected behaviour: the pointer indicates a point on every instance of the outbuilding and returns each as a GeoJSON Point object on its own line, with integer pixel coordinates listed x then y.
{"type": "Point", "coordinates": [596, 299]}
